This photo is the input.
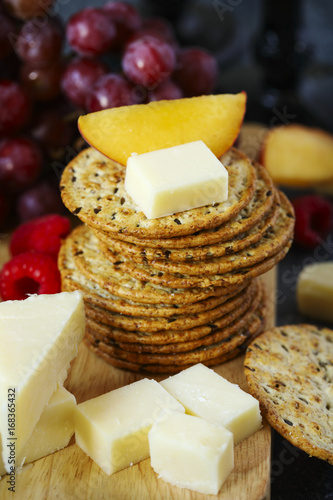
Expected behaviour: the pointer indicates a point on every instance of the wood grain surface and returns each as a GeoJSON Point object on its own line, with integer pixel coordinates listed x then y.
{"type": "Point", "coordinates": [70, 474]}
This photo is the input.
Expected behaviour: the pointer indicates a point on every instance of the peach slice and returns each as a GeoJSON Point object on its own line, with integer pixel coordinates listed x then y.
{"type": "Point", "coordinates": [298, 156]}
{"type": "Point", "coordinates": [141, 128]}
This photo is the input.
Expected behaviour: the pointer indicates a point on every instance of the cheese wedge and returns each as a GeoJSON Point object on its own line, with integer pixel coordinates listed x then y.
{"type": "Point", "coordinates": [53, 430]}
{"type": "Point", "coordinates": [190, 452]}
{"type": "Point", "coordinates": [39, 337]}
{"type": "Point", "coordinates": [112, 429]}
{"type": "Point", "coordinates": [204, 393]}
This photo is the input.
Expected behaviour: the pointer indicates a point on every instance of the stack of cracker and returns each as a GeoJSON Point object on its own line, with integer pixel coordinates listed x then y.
{"type": "Point", "coordinates": [164, 294]}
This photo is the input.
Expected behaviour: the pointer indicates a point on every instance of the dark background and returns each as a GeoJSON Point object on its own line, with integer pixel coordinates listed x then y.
{"type": "Point", "coordinates": [289, 81]}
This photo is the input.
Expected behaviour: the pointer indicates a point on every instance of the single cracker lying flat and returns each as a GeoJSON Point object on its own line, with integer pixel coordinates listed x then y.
{"type": "Point", "coordinates": [289, 370]}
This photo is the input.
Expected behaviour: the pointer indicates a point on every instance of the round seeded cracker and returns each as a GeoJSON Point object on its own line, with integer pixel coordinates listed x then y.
{"type": "Point", "coordinates": [289, 369]}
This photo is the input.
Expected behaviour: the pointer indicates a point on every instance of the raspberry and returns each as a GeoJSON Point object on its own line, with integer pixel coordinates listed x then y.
{"type": "Point", "coordinates": [29, 273]}
{"type": "Point", "coordinates": [42, 234]}
{"type": "Point", "coordinates": [314, 220]}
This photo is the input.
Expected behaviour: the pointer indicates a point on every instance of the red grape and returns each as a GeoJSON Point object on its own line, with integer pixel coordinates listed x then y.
{"type": "Point", "coordinates": [196, 71]}
{"type": "Point", "coordinates": [90, 32]}
{"type": "Point", "coordinates": [20, 164]}
{"type": "Point", "coordinates": [110, 91]}
{"type": "Point", "coordinates": [7, 28]}
{"type": "Point", "coordinates": [148, 61]}
{"type": "Point", "coordinates": [15, 107]}
{"type": "Point", "coordinates": [39, 45]}
{"type": "Point", "coordinates": [79, 77]}
{"type": "Point", "coordinates": [42, 199]}
{"type": "Point", "coordinates": [167, 90]}
{"type": "Point", "coordinates": [126, 18]}
{"type": "Point", "coordinates": [42, 84]}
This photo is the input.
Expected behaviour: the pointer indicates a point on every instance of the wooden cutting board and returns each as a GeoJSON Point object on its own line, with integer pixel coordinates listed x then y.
{"type": "Point", "coordinates": [70, 475]}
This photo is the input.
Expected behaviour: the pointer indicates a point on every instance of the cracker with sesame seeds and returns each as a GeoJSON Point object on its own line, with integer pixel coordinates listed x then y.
{"type": "Point", "coordinates": [289, 369]}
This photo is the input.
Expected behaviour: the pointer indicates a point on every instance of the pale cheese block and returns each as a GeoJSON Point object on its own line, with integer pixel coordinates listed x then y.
{"type": "Point", "coordinates": [53, 430]}
{"type": "Point", "coordinates": [315, 291]}
{"type": "Point", "coordinates": [204, 393]}
{"type": "Point", "coordinates": [39, 337]}
{"type": "Point", "coordinates": [176, 179]}
{"type": "Point", "coordinates": [190, 452]}
{"type": "Point", "coordinates": [112, 429]}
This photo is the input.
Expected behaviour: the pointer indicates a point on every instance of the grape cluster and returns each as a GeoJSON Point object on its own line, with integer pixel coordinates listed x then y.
{"type": "Point", "coordinates": [116, 57]}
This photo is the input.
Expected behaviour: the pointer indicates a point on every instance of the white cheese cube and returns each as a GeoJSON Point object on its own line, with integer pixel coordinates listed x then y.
{"type": "Point", "coordinates": [112, 429]}
{"type": "Point", "coordinates": [39, 337]}
{"type": "Point", "coordinates": [190, 452]}
{"type": "Point", "coordinates": [204, 393]}
{"type": "Point", "coordinates": [315, 291]}
{"type": "Point", "coordinates": [176, 179]}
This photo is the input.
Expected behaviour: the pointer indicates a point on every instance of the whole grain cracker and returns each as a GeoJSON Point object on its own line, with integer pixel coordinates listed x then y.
{"type": "Point", "coordinates": [289, 369]}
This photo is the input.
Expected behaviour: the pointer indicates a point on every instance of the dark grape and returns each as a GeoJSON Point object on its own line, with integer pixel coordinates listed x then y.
{"type": "Point", "coordinates": [167, 90]}
{"type": "Point", "coordinates": [148, 61]}
{"type": "Point", "coordinates": [42, 84]}
{"type": "Point", "coordinates": [91, 32]}
{"type": "Point", "coordinates": [15, 107]}
{"type": "Point", "coordinates": [20, 164]}
{"type": "Point", "coordinates": [126, 18]}
{"type": "Point", "coordinates": [41, 199]}
{"type": "Point", "coordinates": [79, 77]}
{"type": "Point", "coordinates": [39, 45]}
{"type": "Point", "coordinates": [196, 71]}
{"type": "Point", "coordinates": [110, 91]}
